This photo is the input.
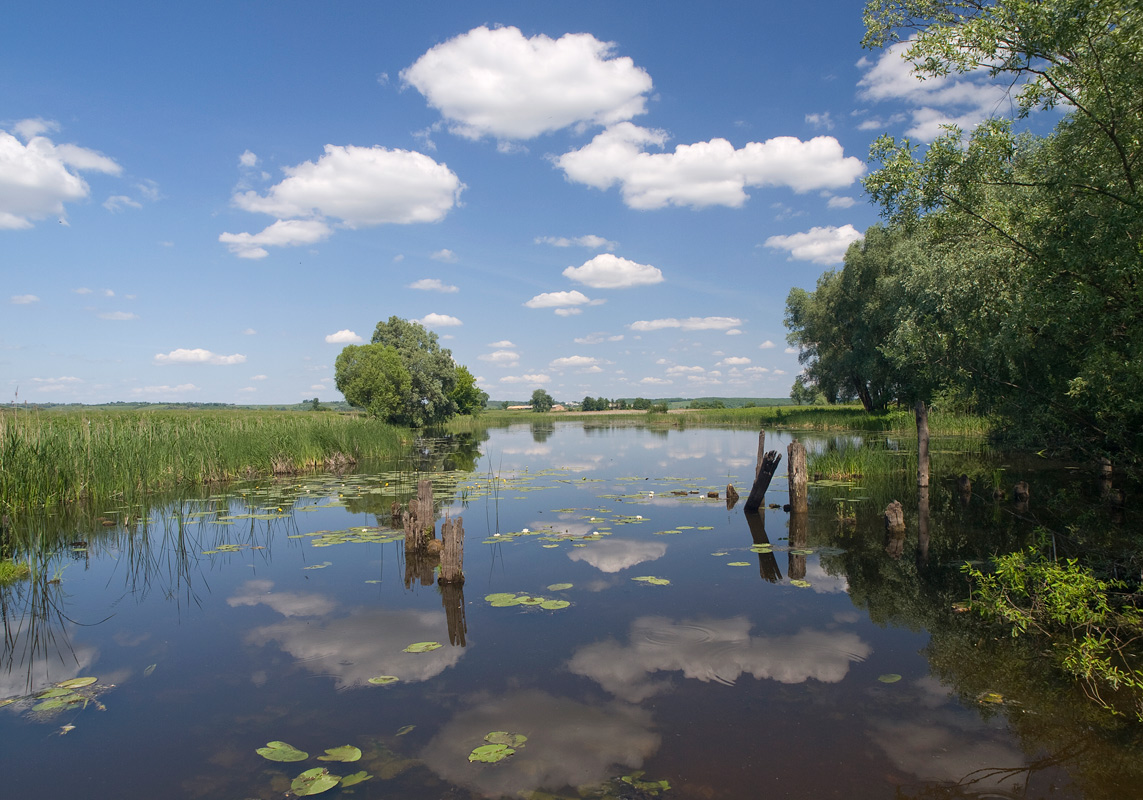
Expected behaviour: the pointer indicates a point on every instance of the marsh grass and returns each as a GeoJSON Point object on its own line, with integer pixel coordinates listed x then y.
{"type": "Point", "coordinates": [52, 458]}
{"type": "Point", "coordinates": [12, 571]}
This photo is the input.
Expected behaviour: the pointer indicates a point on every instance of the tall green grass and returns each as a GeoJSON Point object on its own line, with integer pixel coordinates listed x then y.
{"type": "Point", "coordinates": [51, 458]}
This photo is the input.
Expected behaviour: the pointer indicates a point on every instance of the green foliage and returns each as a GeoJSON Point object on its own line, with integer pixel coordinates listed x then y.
{"type": "Point", "coordinates": [466, 395]}
{"type": "Point", "coordinates": [13, 571]}
{"type": "Point", "coordinates": [707, 403]}
{"type": "Point", "coordinates": [542, 401]}
{"type": "Point", "coordinates": [374, 378]}
{"type": "Point", "coordinates": [1090, 622]}
{"type": "Point", "coordinates": [432, 374]}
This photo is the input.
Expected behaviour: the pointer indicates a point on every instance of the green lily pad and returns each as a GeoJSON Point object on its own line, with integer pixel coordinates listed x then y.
{"type": "Point", "coordinates": [355, 778]}
{"type": "Point", "coordinates": [991, 698]}
{"type": "Point", "coordinates": [506, 738]}
{"type": "Point", "coordinates": [531, 601]}
{"type": "Point", "coordinates": [719, 553]}
{"type": "Point", "coordinates": [423, 647]}
{"type": "Point", "coordinates": [738, 563]}
{"type": "Point", "coordinates": [280, 751]}
{"type": "Point", "coordinates": [554, 605]}
{"type": "Point", "coordinates": [651, 579]}
{"type": "Point", "coordinates": [406, 729]}
{"type": "Point", "coordinates": [492, 598]}
{"type": "Point", "coordinates": [314, 781]}
{"type": "Point", "coordinates": [384, 680]}
{"type": "Point", "coordinates": [346, 752]}
{"type": "Point", "coordinates": [559, 587]}
{"type": "Point", "coordinates": [504, 602]}
{"type": "Point", "coordinates": [48, 693]}
{"type": "Point", "coordinates": [801, 584]}
{"type": "Point", "coordinates": [490, 753]}
{"type": "Point", "coordinates": [889, 677]}
{"type": "Point", "coordinates": [76, 683]}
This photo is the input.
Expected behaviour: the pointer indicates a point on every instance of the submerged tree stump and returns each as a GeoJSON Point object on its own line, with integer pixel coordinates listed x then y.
{"type": "Point", "coordinates": [731, 496]}
{"type": "Point", "coordinates": [419, 521]}
{"type": "Point", "coordinates": [762, 482]}
{"type": "Point", "coordinates": [452, 598]}
{"type": "Point", "coordinates": [964, 489]}
{"type": "Point", "coordinates": [895, 518]}
{"type": "Point", "coordinates": [452, 551]}
{"type": "Point", "coordinates": [799, 494]}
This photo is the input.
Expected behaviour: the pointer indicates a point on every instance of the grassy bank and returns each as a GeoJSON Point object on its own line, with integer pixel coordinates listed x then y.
{"type": "Point", "coordinates": [49, 458]}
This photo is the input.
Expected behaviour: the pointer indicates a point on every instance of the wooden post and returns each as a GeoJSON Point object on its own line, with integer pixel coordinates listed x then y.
{"type": "Point", "coordinates": [762, 482]}
{"type": "Point", "coordinates": [452, 598]}
{"type": "Point", "coordinates": [761, 453]}
{"type": "Point", "coordinates": [731, 496]}
{"type": "Point", "coordinates": [452, 553]}
{"type": "Point", "coordinates": [419, 520]}
{"type": "Point", "coordinates": [799, 497]}
{"type": "Point", "coordinates": [799, 534]}
{"type": "Point", "coordinates": [922, 412]}
{"type": "Point", "coordinates": [895, 517]}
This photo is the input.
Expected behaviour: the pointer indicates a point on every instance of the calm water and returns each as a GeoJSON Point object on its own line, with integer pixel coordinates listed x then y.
{"type": "Point", "coordinates": [828, 666]}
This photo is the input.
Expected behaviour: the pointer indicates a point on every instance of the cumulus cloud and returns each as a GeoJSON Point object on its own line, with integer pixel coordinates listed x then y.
{"type": "Point", "coordinates": [573, 362]}
{"type": "Point", "coordinates": [433, 285]}
{"type": "Point", "coordinates": [343, 337]}
{"type": "Point", "coordinates": [734, 361]}
{"type": "Point", "coordinates": [37, 176]}
{"type": "Point", "coordinates": [496, 82]}
{"type": "Point", "coordinates": [501, 358]}
{"type": "Point", "coordinates": [821, 121]}
{"type": "Point", "coordinates": [558, 299]}
{"type": "Point", "coordinates": [615, 555]}
{"type": "Point", "coordinates": [118, 315]}
{"type": "Point", "coordinates": [283, 233]}
{"type": "Point", "coordinates": [197, 356]}
{"type": "Point", "coordinates": [655, 382]}
{"type": "Point", "coordinates": [445, 255]}
{"type": "Point", "coordinates": [767, 345]}
{"type": "Point", "coordinates": [248, 160]}
{"type": "Point", "coordinates": [598, 338]}
{"type": "Point", "coordinates": [259, 377]}
{"type": "Point", "coordinates": [118, 202]}
{"type": "Point", "coordinates": [962, 100]}
{"type": "Point", "coordinates": [680, 369]}
{"type": "Point", "coordinates": [704, 173]}
{"type": "Point", "coordinates": [182, 388]}
{"type": "Point", "coordinates": [591, 241]}
{"type": "Point", "coordinates": [536, 379]}
{"type": "Point", "coordinates": [501, 343]}
{"type": "Point", "coordinates": [607, 271]}
{"type": "Point", "coordinates": [439, 321]}
{"type": "Point", "coordinates": [568, 312]}
{"type": "Point", "coordinates": [841, 202]}
{"type": "Point", "coordinates": [688, 324]}
{"type": "Point", "coordinates": [818, 245]}
{"type": "Point", "coordinates": [23, 299]}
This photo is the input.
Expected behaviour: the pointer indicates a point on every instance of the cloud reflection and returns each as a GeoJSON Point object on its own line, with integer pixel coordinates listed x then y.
{"type": "Point", "coordinates": [714, 650]}
{"type": "Point", "coordinates": [288, 604]}
{"type": "Point", "coordinates": [569, 743]}
{"type": "Point", "coordinates": [613, 555]}
{"type": "Point", "coordinates": [356, 648]}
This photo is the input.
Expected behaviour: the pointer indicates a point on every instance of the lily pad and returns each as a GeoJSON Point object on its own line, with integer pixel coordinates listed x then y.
{"type": "Point", "coordinates": [554, 605]}
{"type": "Point", "coordinates": [506, 738]}
{"type": "Point", "coordinates": [406, 729]}
{"type": "Point", "coordinates": [76, 683]}
{"type": "Point", "coordinates": [991, 698]}
{"type": "Point", "coordinates": [346, 752]}
{"type": "Point", "coordinates": [423, 647]}
{"type": "Point", "coordinates": [801, 584]}
{"type": "Point", "coordinates": [889, 677]}
{"type": "Point", "coordinates": [384, 680]}
{"type": "Point", "coordinates": [491, 753]}
{"type": "Point", "coordinates": [355, 778]}
{"type": "Point", "coordinates": [738, 563]}
{"type": "Point", "coordinates": [314, 781]}
{"type": "Point", "coordinates": [559, 587]}
{"type": "Point", "coordinates": [281, 751]}
{"type": "Point", "coordinates": [651, 579]}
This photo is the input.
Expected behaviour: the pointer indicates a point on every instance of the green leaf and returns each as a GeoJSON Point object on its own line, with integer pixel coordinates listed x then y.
{"type": "Point", "coordinates": [506, 738]}
{"type": "Point", "coordinates": [346, 752]}
{"type": "Point", "coordinates": [384, 680]}
{"type": "Point", "coordinates": [554, 605]}
{"type": "Point", "coordinates": [559, 587]}
{"type": "Point", "coordinates": [406, 729]}
{"type": "Point", "coordinates": [423, 647]}
{"type": "Point", "coordinates": [76, 683]}
{"type": "Point", "coordinates": [738, 563]}
{"type": "Point", "coordinates": [313, 781]}
{"type": "Point", "coordinates": [652, 580]}
{"type": "Point", "coordinates": [491, 753]}
{"type": "Point", "coordinates": [355, 778]}
{"type": "Point", "coordinates": [801, 584]}
{"type": "Point", "coordinates": [889, 677]}
{"type": "Point", "coordinates": [280, 751]}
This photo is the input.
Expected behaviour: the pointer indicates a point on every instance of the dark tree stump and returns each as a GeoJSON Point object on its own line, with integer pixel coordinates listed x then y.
{"type": "Point", "coordinates": [895, 518]}
{"type": "Point", "coordinates": [452, 552]}
{"type": "Point", "coordinates": [799, 496]}
{"type": "Point", "coordinates": [762, 482]}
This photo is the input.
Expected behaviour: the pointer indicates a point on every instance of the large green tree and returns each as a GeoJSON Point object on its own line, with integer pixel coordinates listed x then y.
{"type": "Point", "coordinates": [469, 398]}
{"type": "Point", "coordinates": [542, 401]}
{"type": "Point", "coordinates": [372, 377]}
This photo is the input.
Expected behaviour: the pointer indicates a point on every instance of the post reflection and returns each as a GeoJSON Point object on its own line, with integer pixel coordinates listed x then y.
{"type": "Point", "coordinates": [767, 562]}
{"type": "Point", "coordinates": [799, 536]}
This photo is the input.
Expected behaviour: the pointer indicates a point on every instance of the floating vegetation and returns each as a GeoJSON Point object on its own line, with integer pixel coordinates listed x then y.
{"type": "Point", "coordinates": [314, 781]}
{"type": "Point", "coordinates": [652, 788]}
{"type": "Point", "coordinates": [801, 584]}
{"type": "Point", "coordinates": [738, 564]}
{"type": "Point", "coordinates": [76, 693]}
{"type": "Point", "coordinates": [500, 745]}
{"type": "Point", "coordinates": [281, 751]}
{"type": "Point", "coordinates": [559, 587]}
{"type": "Point", "coordinates": [423, 647]}
{"type": "Point", "coordinates": [345, 753]}
{"type": "Point", "coordinates": [652, 580]}
{"type": "Point", "coordinates": [507, 599]}
{"type": "Point", "coordinates": [322, 565]}
{"type": "Point", "coordinates": [384, 680]}
{"type": "Point", "coordinates": [889, 677]}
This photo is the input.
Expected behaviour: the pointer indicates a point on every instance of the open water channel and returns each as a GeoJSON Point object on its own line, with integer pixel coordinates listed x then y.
{"type": "Point", "coordinates": [648, 641]}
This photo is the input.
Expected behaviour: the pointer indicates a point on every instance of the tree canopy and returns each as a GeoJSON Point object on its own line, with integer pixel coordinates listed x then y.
{"type": "Point", "coordinates": [542, 401]}
{"type": "Point", "coordinates": [405, 377]}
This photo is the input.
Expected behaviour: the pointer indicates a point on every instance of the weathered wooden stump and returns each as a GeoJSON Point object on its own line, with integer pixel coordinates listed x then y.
{"type": "Point", "coordinates": [762, 482]}
{"type": "Point", "coordinates": [922, 413]}
{"type": "Point", "coordinates": [452, 552]}
{"type": "Point", "coordinates": [964, 489]}
{"type": "Point", "coordinates": [419, 520]}
{"type": "Point", "coordinates": [1105, 476]}
{"type": "Point", "coordinates": [895, 518]}
{"type": "Point", "coordinates": [799, 495]}
{"type": "Point", "coordinates": [452, 598]}
{"type": "Point", "coordinates": [731, 496]}
{"type": "Point", "coordinates": [1021, 493]}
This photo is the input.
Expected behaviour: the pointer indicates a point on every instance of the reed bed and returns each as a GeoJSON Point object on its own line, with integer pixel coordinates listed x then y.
{"type": "Point", "coordinates": [51, 458]}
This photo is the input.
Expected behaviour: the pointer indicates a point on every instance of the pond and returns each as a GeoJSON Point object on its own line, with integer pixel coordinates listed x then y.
{"type": "Point", "coordinates": [619, 634]}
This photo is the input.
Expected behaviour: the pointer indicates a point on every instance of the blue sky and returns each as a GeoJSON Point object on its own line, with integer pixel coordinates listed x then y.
{"type": "Point", "coordinates": [206, 202]}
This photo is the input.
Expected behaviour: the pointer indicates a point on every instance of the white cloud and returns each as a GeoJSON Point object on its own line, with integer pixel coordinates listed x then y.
{"type": "Point", "coordinates": [734, 332]}
{"type": "Point", "coordinates": [182, 388]}
{"type": "Point", "coordinates": [83, 290]}
{"type": "Point", "coordinates": [439, 321]}
{"type": "Point", "coordinates": [245, 389]}
{"type": "Point", "coordinates": [820, 121]}
{"type": "Point", "coordinates": [117, 202]}
{"type": "Point", "coordinates": [197, 356]}
{"type": "Point", "coordinates": [64, 383]}
{"type": "Point", "coordinates": [495, 82]}
{"type": "Point", "coordinates": [688, 324]}
{"type": "Point", "coordinates": [249, 332]}
{"type": "Point", "coordinates": [445, 255]}
{"type": "Point", "coordinates": [767, 345]}
{"type": "Point", "coordinates": [733, 361]}
{"type": "Point", "coordinates": [343, 337]}
{"type": "Point", "coordinates": [501, 358]}
{"type": "Point", "coordinates": [779, 372]}
{"type": "Point", "coordinates": [598, 338]}
{"type": "Point", "coordinates": [38, 176]}
{"type": "Point", "coordinates": [655, 382]}
{"type": "Point", "coordinates": [683, 370]}
{"type": "Point", "coordinates": [118, 315]}
{"type": "Point", "coordinates": [536, 379]}
{"type": "Point", "coordinates": [23, 299]}
{"type": "Point", "coordinates": [705, 173]}
{"type": "Point", "coordinates": [590, 241]}
{"type": "Point", "coordinates": [433, 285]}
{"type": "Point", "coordinates": [818, 245]}
{"type": "Point", "coordinates": [568, 312]}
{"type": "Point", "coordinates": [573, 362]}
{"type": "Point", "coordinates": [963, 100]}
{"type": "Point", "coordinates": [607, 271]}
{"type": "Point", "coordinates": [558, 299]}
{"type": "Point", "coordinates": [258, 377]}
{"type": "Point", "coordinates": [501, 343]}
{"type": "Point", "coordinates": [792, 351]}
{"type": "Point", "coordinates": [283, 233]}
{"type": "Point", "coordinates": [248, 160]}
{"type": "Point", "coordinates": [756, 370]}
